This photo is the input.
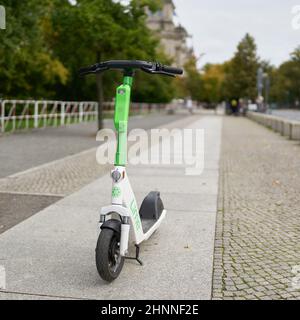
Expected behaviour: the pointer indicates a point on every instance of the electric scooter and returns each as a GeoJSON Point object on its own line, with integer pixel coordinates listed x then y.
{"type": "Point", "coordinates": [122, 221]}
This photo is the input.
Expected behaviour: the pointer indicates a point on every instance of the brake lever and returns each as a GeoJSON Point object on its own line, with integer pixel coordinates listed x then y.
{"type": "Point", "coordinates": [166, 74]}
{"type": "Point", "coordinates": [152, 71]}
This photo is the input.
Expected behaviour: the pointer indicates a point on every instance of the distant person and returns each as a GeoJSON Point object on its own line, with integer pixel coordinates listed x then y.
{"type": "Point", "coordinates": [234, 107]}
{"type": "Point", "coordinates": [228, 109]}
{"type": "Point", "coordinates": [216, 107]}
{"type": "Point", "coordinates": [189, 105]}
{"type": "Point", "coordinates": [242, 107]}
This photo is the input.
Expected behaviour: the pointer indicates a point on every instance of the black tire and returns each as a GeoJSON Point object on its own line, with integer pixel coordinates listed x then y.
{"type": "Point", "coordinates": [108, 260]}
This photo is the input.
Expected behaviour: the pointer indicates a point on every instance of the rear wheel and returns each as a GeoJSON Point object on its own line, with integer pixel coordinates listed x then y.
{"type": "Point", "coordinates": [109, 262]}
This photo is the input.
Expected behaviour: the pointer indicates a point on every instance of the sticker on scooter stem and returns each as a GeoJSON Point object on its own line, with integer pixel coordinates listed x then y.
{"type": "Point", "coordinates": [121, 91]}
{"type": "Point", "coordinates": [116, 192]}
{"type": "Point", "coordinates": [135, 214]}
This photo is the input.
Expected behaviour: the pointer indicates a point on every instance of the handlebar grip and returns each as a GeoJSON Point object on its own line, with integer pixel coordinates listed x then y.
{"type": "Point", "coordinates": [87, 70]}
{"type": "Point", "coordinates": [172, 70]}
{"type": "Point", "coordinates": [95, 68]}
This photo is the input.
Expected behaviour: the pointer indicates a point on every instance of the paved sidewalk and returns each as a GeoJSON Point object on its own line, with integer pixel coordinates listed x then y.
{"type": "Point", "coordinates": [67, 175]}
{"type": "Point", "coordinates": [72, 149]}
{"type": "Point", "coordinates": [258, 224]}
{"type": "Point", "coordinates": [28, 149]}
{"type": "Point", "coordinates": [52, 253]}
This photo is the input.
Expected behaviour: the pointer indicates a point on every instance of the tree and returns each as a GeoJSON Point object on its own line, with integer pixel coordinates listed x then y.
{"type": "Point", "coordinates": [46, 43]}
{"type": "Point", "coordinates": [296, 55]}
{"type": "Point", "coordinates": [240, 80]}
{"type": "Point", "coordinates": [286, 81]}
{"type": "Point", "coordinates": [28, 67]}
{"type": "Point", "coordinates": [105, 30]}
{"type": "Point", "coordinates": [213, 81]}
{"type": "Point", "coordinates": [191, 84]}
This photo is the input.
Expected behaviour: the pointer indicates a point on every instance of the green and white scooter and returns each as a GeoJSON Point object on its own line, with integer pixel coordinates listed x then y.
{"type": "Point", "coordinates": [122, 220]}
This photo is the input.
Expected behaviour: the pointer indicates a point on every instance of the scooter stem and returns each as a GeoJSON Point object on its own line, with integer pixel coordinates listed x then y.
{"type": "Point", "coordinates": [121, 119]}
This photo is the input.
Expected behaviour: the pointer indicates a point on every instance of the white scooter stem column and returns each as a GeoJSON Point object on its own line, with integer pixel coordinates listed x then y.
{"type": "Point", "coordinates": [125, 230]}
{"type": "Point", "coordinates": [118, 199]}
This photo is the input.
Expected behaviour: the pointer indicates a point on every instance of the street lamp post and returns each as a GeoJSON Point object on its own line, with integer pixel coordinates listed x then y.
{"type": "Point", "coordinates": [260, 86]}
{"type": "Point", "coordinates": [267, 91]}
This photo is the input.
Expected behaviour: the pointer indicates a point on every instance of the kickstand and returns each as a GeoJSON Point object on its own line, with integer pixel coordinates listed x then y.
{"type": "Point", "coordinates": [137, 255]}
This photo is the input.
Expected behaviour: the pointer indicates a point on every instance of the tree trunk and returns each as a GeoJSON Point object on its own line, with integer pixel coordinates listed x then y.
{"type": "Point", "coordinates": [99, 95]}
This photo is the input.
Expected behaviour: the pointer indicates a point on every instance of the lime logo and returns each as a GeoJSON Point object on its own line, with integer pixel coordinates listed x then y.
{"type": "Point", "coordinates": [116, 192]}
{"type": "Point", "coordinates": [135, 214]}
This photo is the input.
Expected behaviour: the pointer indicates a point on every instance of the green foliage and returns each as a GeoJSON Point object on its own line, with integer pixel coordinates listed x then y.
{"type": "Point", "coordinates": [153, 89]}
{"type": "Point", "coordinates": [286, 81]}
{"type": "Point", "coordinates": [296, 55]}
{"type": "Point", "coordinates": [47, 42]}
{"type": "Point", "coordinates": [27, 65]}
{"type": "Point", "coordinates": [233, 79]}
{"type": "Point", "coordinates": [152, 5]}
{"type": "Point", "coordinates": [213, 82]}
{"type": "Point", "coordinates": [237, 78]}
{"type": "Point", "coordinates": [240, 78]}
{"type": "Point", "coordinates": [190, 85]}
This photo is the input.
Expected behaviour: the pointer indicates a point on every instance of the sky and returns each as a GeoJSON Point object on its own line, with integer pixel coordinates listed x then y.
{"type": "Point", "coordinates": [217, 26]}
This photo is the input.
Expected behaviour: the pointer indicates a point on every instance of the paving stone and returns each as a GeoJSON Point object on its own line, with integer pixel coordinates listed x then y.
{"type": "Point", "coordinates": [258, 212]}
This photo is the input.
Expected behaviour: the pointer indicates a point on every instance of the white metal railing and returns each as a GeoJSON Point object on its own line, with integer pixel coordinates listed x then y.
{"type": "Point", "coordinates": [25, 114]}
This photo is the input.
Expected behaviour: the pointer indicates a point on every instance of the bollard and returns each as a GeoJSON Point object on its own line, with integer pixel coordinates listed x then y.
{"type": "Point", "coordinates": [285, 127]}
{"type": "Point", "coordinates": [36, 114]}
{"type": "Point", "coordinates": [295, 132]}
{"type": "Point", "coordinates": [2, 116]}
{"type": "Point", "coordinates": [281, 127]}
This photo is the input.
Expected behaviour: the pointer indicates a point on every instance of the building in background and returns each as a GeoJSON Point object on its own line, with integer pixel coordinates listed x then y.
{"type": "Point", "coordinates": [173, 37]}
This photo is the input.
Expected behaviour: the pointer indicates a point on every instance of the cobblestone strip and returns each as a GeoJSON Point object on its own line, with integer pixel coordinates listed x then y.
{"type": "Point", "coordinates": [257, 241]}
{"type": "Point", "coordinates": [57, 178]}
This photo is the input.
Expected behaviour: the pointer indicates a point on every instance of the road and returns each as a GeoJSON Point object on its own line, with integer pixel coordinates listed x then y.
{"type": "Point", "coordinates": [289, 114]}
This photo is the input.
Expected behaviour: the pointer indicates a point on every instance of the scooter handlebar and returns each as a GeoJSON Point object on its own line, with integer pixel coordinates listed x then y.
{"type": "Point", "coordinates": [173, 70]}
{"type": "Point", "coordinates": [149, 67]}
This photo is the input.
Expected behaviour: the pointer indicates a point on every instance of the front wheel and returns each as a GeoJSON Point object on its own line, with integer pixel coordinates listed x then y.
{"type": "Point", "coordinates": [109, 262]}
